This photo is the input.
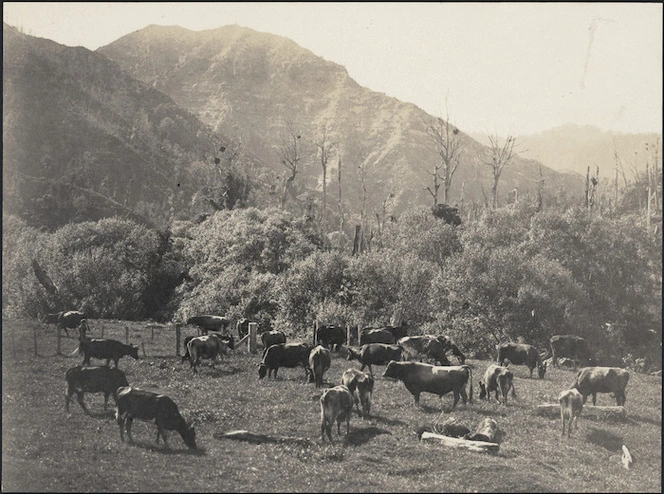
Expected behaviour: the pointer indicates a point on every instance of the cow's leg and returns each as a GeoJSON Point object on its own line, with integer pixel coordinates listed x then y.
{"type": "Point", "coordinates": [620, 399]}
{"type": "Point", "coordinates": [594, 398]}
{"type": "Point", "coordinates": [463, 394]}
{"type": "Point", "coordinates": [562, 419]}
{"type": "Point", "coordinates": [417, 398]}
{"type": "Point", "coordinates": [68, 394]}
{"type": "Point", "coordinates": [164, 434]}
{"type": "Point", "coordinates": [456, 399]}
{"type": "Point", "coordinates": [275, 372]}
{"type": "Point", "coordinates": [106, 394]}
{"type": "Point", "coordinates": [79, 398]}
{"type": "Point", "coordinates": [585, 397]}
{"type": "Point", "coordinates": [121, 424]}
{"type": "Point", "coordinates": [348, 420]}
{"type": "Point", "coordinates": [128, 421]}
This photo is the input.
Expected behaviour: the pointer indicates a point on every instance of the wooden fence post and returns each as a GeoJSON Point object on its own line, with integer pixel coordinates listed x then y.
{"type": "Point", "coordinates": [177, 339]}
{"type": "Point", "coordinates": [347, 334]}
{"type": "Point", "coordinates": [253, 330]}
{"type": "Point", "coordinates": [57, 351]}
{"type": "Point", "coordinates": [143, 347]}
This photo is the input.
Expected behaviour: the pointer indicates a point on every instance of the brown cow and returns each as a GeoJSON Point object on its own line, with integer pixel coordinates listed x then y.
{"type": "Point", "coordinates": [571, 404]}
{"type": "Point", "coordinates": [336, 404]}
{"type": "Point", "coordinates": [319, 363]}
{"type": "Point", "coordinates": [593, 380]}
{"type": "Point", "coordinates": [497, 378]}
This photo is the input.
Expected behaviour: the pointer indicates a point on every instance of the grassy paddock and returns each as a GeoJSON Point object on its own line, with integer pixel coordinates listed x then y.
{"type": "Point", "coordinates": [44, 449]}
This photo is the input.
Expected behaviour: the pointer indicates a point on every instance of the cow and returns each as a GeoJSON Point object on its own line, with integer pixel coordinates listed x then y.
{"type": "Point", "coordinates": [105, 349]}
{"type": "Point", "coordinates": [336, 404]}
{"type": "Point", "coordinates": [521, 354]}
{"type": "Point", "coordinates": [423, 346]}
{"type": "Point", "coordinates": [242, 327]}
{"type": "Point", "coordinates": [593, 380]}
{"type": "Point", "coordinates": [319, 363]}
{"type": "Point", "coordinates": [210, 323]}
{"type": "Point", "coordinates": [270, 338]}
{"type": "Point", "coordinates": [208, 346]}
{"type": "Point", "coordinates": [497, 378]}
{"type": "Point", "coordinates": [146, 405]}
{"type": "Point", "coordinates": [331, 336]}
{"type": "Point", "coordinates": [449, 344]}
{"type": "Point", "coordinates": [103, 379]}
{"type": "Point", "coordinates": [419, 378]}
{"type": "Point", "coordinates": [571, 405]}
{"type": "Point", "coordinates": [229, 340]}
{"type": "Point", "coordinates": [570, 346]}
{"type": "Point", "coordinates": [65, 319]}
{"type": "Point", "coordinates": [285, 355]}
{"type": "Point", "coordinates": [397, 331]}
{"type": "Point", "coordinates": [50, 318]}
{"type": "Point", "coordinates": [361, 385]}
{"type": "Point", "coordinates": [375, 354]}
{"type": "Point", "coordinates": [370, 335]}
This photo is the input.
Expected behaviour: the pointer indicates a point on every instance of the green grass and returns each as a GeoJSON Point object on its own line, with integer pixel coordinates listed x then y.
{"type": "Point", "coordinates": [45, 449]}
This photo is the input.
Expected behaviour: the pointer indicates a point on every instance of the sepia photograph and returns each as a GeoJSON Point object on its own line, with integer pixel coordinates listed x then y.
{"type": "Point", "coordinates": [332, 247]}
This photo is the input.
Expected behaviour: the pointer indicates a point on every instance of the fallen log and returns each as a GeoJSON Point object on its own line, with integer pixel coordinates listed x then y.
{"type": "Point", "coordinates": [486, 431]}
{"type": "Point", "coordinates": [478, 446]}
{"type": "Point", "coordinates": [252, 437]}
{"type": "Point", "coordinates": [554, 409]}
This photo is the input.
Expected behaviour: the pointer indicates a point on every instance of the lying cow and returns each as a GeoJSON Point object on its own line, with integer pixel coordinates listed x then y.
{"type": "Point", "coordinates": [370, 335]}
{"type": "Point", "coordinates": [228, 339]}
{"type": "Point", "coordinates": [146, 405]}
{"type": "Point", "coordinates": [209, 346]}
{"type": "Point", "coordinates": [570, 346]}
{"type": "Point", "coordinates": [210, 323]}
{"type": "Point", "coordinates": [331, 336]}
{"type": "Point", "coordinates": [105, 349]}
{"type": "Point", "coordinates": [521, 354]}
{"type": "Point", "coordinates": [374, 354]}
{"type": "Point", "coordinates": [419, 378]}
{"type": "Point", "coordinates": [571, 405]}
{"type": "Point", "coordinates": [319, 363]}
{"type": "Point", "coordinates": [361, 385]}
{"type": "Point", "coordinates": [336, 404]}
{"type": "Point", "coordinates": [285, 355]}
{"type": "Point", "coordinates": [497, 378]}
{"type": "Point", "coordinates": [418, 347]}
{"type": "Point", "coordinates": [270, 338]}
{"type": "Point", "coordinates": [593, 380]}
{"type": "Point", "coordinates": [102, 379]}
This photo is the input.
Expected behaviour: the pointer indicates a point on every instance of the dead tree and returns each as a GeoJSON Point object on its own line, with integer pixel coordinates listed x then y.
{"type": "Point", "coordinates": [325, 148]}
{"type": "Point", "coordinates": [499, 156]}
{"type": "Point", "coordinates": [290, 155]}
{"type": "Point", "coordinates": [446, 141]}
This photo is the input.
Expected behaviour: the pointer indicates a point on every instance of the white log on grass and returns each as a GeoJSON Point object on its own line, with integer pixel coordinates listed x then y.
{"type": "Point", "coordinates": [454, 442]}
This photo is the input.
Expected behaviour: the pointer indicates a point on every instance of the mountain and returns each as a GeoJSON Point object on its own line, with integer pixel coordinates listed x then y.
{"type": "Point", "coordinates": [251, 86]}
{"type": "Point", "coordinates": [82, 139]}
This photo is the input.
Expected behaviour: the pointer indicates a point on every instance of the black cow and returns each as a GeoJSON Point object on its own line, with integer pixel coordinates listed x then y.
{"type": "Point", "coordinates": [569, 346]}
{"type": "Point", "coordinates": [319, 363]}
{"type": "Point", "coordinates": [331, 336]}
{"type": "Point", "coordinates": [426, 378]}
{"type": "Point", "coordinates": [370, 335]}
{"type": "Point", "coordinates": [210, 323]}
{"type": "Point", "coordinates": [374, 354]}
{"type": "Point", "coordinates": [146, 405]}
{"type": "Point", "coordinates": [228, 339]}
{"type": "Point", "coordinates": [593, 380]}
{"type": "Point", "coordinates": [270, 338]}
{"type": "Point", "coordinates": [105, 349]}
{"type": "Point", "coordinates": [101, 379]}
{"type": "Point", "coordinates": [418, 347]}
{"type": "Point", "coordinates": [285, 355]}
{"type": "Point", "coordinates": [521, 354]}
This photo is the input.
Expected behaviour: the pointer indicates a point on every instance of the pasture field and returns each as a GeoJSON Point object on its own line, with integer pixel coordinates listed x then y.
{"type": "Point", "coordinates": [46, 449]}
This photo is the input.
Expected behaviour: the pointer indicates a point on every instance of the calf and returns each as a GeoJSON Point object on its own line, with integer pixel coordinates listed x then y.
{"type": "Point", "coordinates": [571, 404]}
{"type": "Point", "coordinates": [285, 355]}
{"type": "Point", "coordinates": [270, 338]}
{"type": "Point", "coordinates": [419, 378]}
{"type": "Point", "coordinates": [102, 379]}
{"type": "Point", "coordinates": [593, 380]}
{"type": "Point", "coordinates": [521, 354]}
{"type": "Point", "coordinates": [319, 363]}
{"type": "Point", "coordinates": [375, 354]}
{"type": "Point", "coordinates": [146, 405]}
{"type": "Point", "coordinates": [497, 378]}
{"type": "Point", "coordinates": [101, 348]}
{"type": "Point", "coordinates": [209, 346]}
{"type": "Point", "coordinates": [424, 346]}
{"type": "Point", "coordinates": [335, 404]}
{"type": "Point", "coordinates": [361, 385]}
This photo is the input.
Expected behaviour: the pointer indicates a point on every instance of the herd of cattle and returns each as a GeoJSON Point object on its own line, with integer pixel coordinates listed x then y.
{"type": "Point", "coordinates": [402, 355]}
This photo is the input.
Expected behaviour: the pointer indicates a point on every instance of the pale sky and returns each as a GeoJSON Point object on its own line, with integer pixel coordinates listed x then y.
{"type": "Point", "coordinates": [514, 68]}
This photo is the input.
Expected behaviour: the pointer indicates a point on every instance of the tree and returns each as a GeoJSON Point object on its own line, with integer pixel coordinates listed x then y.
{"type": "Point", "coordinates": [289, 152]}
{"type": "Point", "coordinates": [498, 157]}
{"type": "Point", "coordinates": [446, 141]}
{"type": "Point", "coordinates": [325, 148]}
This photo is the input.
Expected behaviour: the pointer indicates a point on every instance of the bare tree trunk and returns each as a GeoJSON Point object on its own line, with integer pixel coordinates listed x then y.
{"type": "Point", "coordinates": [341, 211]}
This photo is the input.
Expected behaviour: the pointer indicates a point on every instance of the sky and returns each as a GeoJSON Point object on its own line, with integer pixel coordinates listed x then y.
{"type": "Point", "coordinates": [492, 68]}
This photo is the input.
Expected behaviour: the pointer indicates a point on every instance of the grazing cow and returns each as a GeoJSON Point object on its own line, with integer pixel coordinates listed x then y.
{"type": "Point", "coordinates": [593, 380]}
{"type": "Point", "coordinates": [375, 354]}
{"type": "Point", "coordinates": [210, 323]}
{"type": "Point", "coordinates": [229, 340]}
{"type": "Point", "coordinates": [417, 347]}
{"type": "Point", "coordinates": [105, 349]}
{"type": "Point", "coordinates": [285, 355]}
{"type": "Point", "coordinates": [571, 404]}
{"type": "Point", "coordinates": [102, 379]}
{"type": "Point", "coordinates": [370, 335]}
{"type": "Point", "coordinates": [331, 336]}
{"type": "Point", "coordinates": [146, 405]}
{"type": "Point", "coordinates": [242, 327]}
{"type": "Point", "coordinates": [419, 378]}
{"type": "Point", "coordinates": [361, 385]}
{"type": "Point", "coordinates": [521, 354]}
{"type": "Point", "coordinates": [448, 344]}
{"type": "Point", "coordinates": [209, 346]}
{"type": "Point", "coordinates": [497, 378]}
{"type": "Point", "coordinates": [336, 404]}
{"type": "Point", "coordinates": [270, 338]}
{"type": "Point", "coordinates": [319, 363]}
{"type": "Point", "coordinates": [570, 346]}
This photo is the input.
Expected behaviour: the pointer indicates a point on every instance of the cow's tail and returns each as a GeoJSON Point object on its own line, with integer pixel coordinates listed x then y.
{"type": "Point", "coordinates": [470, 380]}
{"type": "Point", "coordinates": [76, 350]}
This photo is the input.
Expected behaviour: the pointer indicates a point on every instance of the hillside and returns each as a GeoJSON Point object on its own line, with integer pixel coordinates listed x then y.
{"type": "Point", "coordinates": [83, 140]}
{"type": "Point", "coordinates": [249, 85]}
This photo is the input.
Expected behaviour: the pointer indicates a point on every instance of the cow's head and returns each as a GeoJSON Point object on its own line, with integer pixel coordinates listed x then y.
{"type": "Point", "coordinates": [262, 370]}
{"type": "Point", "coordinates": [189, 436]}
{"type": "Point", "coordinates": [393, 370]}
{"type": "Point", "coordinates": [134, 352]}
{"type": "Point", "coordinates": [541, 369]}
